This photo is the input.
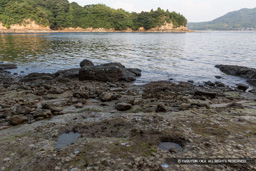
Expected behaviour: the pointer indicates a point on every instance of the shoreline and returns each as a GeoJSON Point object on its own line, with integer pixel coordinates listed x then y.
{"type": "Point", "coordinates": [115, 119]}
{"type": "Point", "coordinates": [93, 31]}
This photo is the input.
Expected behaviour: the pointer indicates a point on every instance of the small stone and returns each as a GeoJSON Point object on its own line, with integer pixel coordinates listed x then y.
{"type": "Point", "coordinates": [106, 96]}
{"type": "Point", "coordinates": [23, 110]}
{"type": "Point", "coordinates": [127, 99]}
{"type": "Point", "coordinates": [218, 77]}
{"type": "Point", "coordinates": [123, 106]}
{"type": "Point", "coordinates": [184, 106]}
{"type": "Point", "coordinates": [79, 105]}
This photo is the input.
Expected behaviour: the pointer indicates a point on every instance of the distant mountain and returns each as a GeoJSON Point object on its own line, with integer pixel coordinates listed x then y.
{"type": "Point", "coordinates": [244, 19]}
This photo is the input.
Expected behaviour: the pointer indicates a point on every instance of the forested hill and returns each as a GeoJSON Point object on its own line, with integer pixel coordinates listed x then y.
{"type": "Point", "coordinates": [236, 20]}
{"type": "Point", "coordinates": [59, 14]}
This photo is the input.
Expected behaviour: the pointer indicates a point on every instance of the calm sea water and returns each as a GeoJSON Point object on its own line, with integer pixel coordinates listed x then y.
{"type": "Point", "coordinates": [161, 56]}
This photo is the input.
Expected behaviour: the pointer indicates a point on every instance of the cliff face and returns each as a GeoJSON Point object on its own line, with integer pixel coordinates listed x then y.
{"type": "Point", "coordinates": [31, 26]}
{"type": "Point", "coordinates": [26, 26]}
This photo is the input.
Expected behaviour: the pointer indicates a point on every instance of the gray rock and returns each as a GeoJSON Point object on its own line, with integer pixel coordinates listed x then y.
{"type": "Point", "coordinates": [86, 63]}
{"type": "Point", "coordinates": [16, 120]}
{"type": "Point", "coordinates": [123, 106]}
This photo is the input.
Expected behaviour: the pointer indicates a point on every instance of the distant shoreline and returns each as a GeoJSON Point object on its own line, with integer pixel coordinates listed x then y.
{"type": "Point", "coordinates": [84, 31]}
{"type": "Point", "coordinates": [100, 30]}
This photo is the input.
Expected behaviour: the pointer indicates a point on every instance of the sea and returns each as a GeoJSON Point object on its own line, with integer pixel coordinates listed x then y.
{"type": "Point", "coordinates": [160, 56]}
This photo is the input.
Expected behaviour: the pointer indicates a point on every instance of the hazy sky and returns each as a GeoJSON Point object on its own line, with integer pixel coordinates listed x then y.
{"type": "Point", "coordinates": [193, 10]}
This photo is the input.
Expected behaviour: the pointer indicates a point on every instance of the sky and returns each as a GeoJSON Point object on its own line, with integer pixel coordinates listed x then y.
{"type": "Point", "coordinates": [193, 10]}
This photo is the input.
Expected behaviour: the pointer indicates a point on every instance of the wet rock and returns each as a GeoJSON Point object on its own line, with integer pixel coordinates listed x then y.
{"type": "Point", "coordinates": [244, 72]}
{"type": "Point", "coordinates": [161, 108]}
{"type": "Point", "coordinates": [70, 73]}
{"type": "Point", "coordinates": [8, 66]}
{"type": "Point", "coordinates": [126, 99]}
{"type": "Point", "coordinates": [16, 120]}
{"type": "Point", "coordinates": [242, 87]}
{"type": "Point", "coordinates": [101, 73]}
{"type": "Point", "coordinates": [123, 106]}
{"type": "Point", "coordinates": [205, 93]}
{"type": "Point", "coordinates": [106, 96]}
{"type": "Point", "coordinates": [107, 73]}
{"type": "Point", "coordinates": [86, 63]}
{"type": "Point", "coordinates": [23, 110]}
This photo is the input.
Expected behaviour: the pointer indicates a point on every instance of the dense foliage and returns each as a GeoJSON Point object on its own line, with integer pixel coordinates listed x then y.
{"type": "Point", "coordinates": [236, 20]}
{"type": "Point", "coordinates": [59, 14]}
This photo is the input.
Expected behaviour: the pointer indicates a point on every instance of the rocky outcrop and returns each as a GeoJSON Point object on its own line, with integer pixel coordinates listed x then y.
{"type": "Point", "coordinates": [241, 71]}
{"type": "Point", "coordinates": [110, 72]}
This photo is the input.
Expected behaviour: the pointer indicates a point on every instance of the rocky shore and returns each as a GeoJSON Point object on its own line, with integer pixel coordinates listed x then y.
{"type": "Point", "coordinates": [112, 124]}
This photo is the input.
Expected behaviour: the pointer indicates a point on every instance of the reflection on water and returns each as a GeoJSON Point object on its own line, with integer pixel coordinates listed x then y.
{"type": "Point", "coordinates": [161, 56]}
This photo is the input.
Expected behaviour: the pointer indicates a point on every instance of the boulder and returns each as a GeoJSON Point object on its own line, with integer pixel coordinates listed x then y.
{"type": "Point", "coordinates": [86, 63]}
{"type": "Point", "coordinates": [123, 106]}
{"type": "Point", "coordinates": [110, 72]}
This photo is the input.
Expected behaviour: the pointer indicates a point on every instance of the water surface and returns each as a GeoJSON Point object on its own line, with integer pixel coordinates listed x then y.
{"type": "Point", "coordinates": [161, 56]}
